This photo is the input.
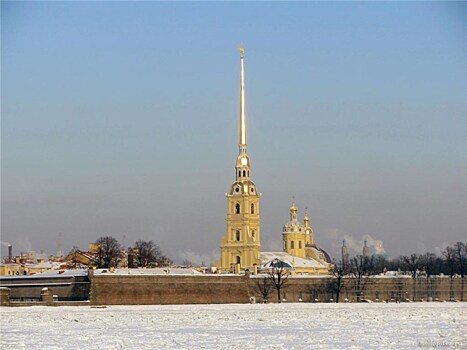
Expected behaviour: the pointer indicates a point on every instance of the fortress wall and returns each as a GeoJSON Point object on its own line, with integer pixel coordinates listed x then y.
{"type": "Point", "coordinates": [168, 289]}
{"type": "Point", "coordinates": [215, 289]}
{"type": "Point", "coordinates": [310, 289]}
{"type": "Point", "coordinates": [30, 287]}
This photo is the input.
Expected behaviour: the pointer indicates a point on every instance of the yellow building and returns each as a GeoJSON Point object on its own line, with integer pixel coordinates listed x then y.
{"type": "Point", "coordinates": [298, 239]}
{"type": "Point", "coordinates": [240, 246]}
{"type": "Point", "coordinates": [297, 236]}
{"type": "Point", "coordinates": [300, 255]}
{"type": "Point", "coordinates": [12, 269]}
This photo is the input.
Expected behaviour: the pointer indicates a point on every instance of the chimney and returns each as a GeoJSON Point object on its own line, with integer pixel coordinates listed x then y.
{"type": "Point", "coordinates": [345, 253]}
{"type": "Point", "coordinates": [366, 252]}
{"type": "Point", "coordinates": [10, 253]}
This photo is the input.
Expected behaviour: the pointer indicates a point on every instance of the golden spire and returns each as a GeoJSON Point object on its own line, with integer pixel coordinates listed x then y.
{"type": "Point", "coordinates": [242, 141]}
{"type": "Point", "coordinates": [293, 210]}
{"type": "Point", "coordinates": [306, 220]}
{"type": "Point", "coordinates": [242, 49]}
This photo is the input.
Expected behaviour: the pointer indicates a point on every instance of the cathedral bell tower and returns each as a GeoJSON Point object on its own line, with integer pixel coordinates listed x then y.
{"type": "Point", "coordinates": [240, 246]}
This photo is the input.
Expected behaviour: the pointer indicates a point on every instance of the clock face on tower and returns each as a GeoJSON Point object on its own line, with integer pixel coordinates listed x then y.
{"type": "Point", "coordinates": [244, 161]}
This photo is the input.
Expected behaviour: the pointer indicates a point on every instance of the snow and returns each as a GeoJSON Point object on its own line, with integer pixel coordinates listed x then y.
{"type": "Point", "coordinates": [63, 273]}
{"type": "Point", "coordinates": [150, 271]}
{"type": "Point", "coordinates": [237, 326]}
{"type": "Point", "coordinates": [267, 257]}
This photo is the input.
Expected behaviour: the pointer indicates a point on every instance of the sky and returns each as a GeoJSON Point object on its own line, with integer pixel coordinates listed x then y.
{"type": "Point", "coordinates": [121, 119]}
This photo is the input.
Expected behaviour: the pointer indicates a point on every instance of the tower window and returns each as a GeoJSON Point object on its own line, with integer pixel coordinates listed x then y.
{"type": "Point", "coordinates": [237, 208]}
{"type": "Point", "coordinates": [237, 235]}
{"type": "Point", "coordinates": [239, 173]}
{"type": "Point", "coordinates": [299, 244]}
{"type": "Point", "coordinates": [238, 259]}
{"type": "Point", "coordinates": [292, 245]}
{"type": "Point", "coordinates": [252, 208]}
{"type": "Point", "coordinates": [244, 173]}
{"type": "Point", "coordinates": [253, 233]}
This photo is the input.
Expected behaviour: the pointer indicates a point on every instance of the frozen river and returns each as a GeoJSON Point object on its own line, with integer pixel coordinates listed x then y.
{"type": "Point", "coordinates": [272, 326]}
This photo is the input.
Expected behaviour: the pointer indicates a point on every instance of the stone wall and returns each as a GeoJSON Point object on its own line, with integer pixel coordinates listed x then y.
{"type": "Point", "coordinates": [116, 289]}
{"type": "Point", "coordinates": [323, 289]}
{"type": "Point", "coordinates": [67, 288]}
{"type": "Point", "coordinates": [168, 289]}
{"type": "Point", "coordinates": [218, 289]}
{"type": "Point", "coordinates": [46, 298]}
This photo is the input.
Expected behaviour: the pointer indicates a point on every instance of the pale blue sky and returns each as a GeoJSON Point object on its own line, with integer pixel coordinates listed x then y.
{"type": "Point", "coordinates": [121, 118]}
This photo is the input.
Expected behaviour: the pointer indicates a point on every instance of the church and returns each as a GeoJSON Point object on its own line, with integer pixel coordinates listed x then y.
{"type": "Point", "coordinates": [241, 244]}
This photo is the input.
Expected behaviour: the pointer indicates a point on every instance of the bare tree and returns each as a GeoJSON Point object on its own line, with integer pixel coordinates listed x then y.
{"type": "Point", "coordinates": [395, 264]}
{"type": "Point", "coordinates": [278, 274]}
{"type": "Point", "coordinates": [449, 255]}
{"type": "Point", "coordinates": [147, 254]}
{"type": "Point", "coordinates": [412, 264]}
{"type": "Point", "coordinates": [264, 286]}
{"type": "Point", "coordinates": [461, 257]}
{"type": "Point", "coordinates": [380, 263]}
{"type": "Point", "coordinates": [359, 269]}
{"type": "Point", "coordinates": [339, 270]}
{"type": "Point", "coordinates": [431, 264]}
{"type": "Point", "coordinates": [460, 249]}
{"type": "Point", "coordinates": [108, 252]}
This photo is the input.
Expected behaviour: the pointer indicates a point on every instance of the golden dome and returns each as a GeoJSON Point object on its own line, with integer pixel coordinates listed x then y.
{"type": "Point", "coordinates": [293, 208]}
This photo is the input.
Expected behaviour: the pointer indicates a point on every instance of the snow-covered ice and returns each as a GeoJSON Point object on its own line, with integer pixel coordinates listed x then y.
{"type": "Point", "coordinates": [237, 326]}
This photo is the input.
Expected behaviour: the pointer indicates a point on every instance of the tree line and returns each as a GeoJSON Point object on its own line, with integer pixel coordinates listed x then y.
{"type": "Point", "coordinates": [109, 253]}
{"type": "Point", "coordinates": [354, 272]}
{"type": "Point", "coordinates": [452, 262]}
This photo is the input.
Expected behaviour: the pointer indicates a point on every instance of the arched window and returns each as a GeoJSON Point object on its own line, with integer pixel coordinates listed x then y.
{"type": "Point", "coordinates": [237, 208]}
{"type": "Point", "coordinates": [292, 244]}
{"type": "Point", "coordinates": [299, 244]}
{"type": "Point", "coordinates": [238, 259]}
{"type": "Point", "coordinates": [237, 235]}
{"type": "Point", "coordinates": [252, 208]}
{"type": "Point", "coordinates": [244, 173]}
{"type": "Point", "coordinates": [253, 233]}
{"type": "Point", "coordinates": [239, 173]}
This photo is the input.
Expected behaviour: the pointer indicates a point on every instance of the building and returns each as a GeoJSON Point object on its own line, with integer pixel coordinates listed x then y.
{"type": "Point", "coordinates": [298, 239]}
{"type": "Point", "coordinates": [241, 243]}
{"type": "Point", "coordinates": [344, 253]}
{"type": "Point", "coordinates": [366, 250]}
{"type": "Point", "coordinates": [12, 269]}
{"type": "Point", "coordinates": [240, 246]}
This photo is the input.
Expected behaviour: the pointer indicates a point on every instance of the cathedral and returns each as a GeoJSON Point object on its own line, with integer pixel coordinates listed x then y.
{"type": "Point", "coordinates": [240, 246]}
